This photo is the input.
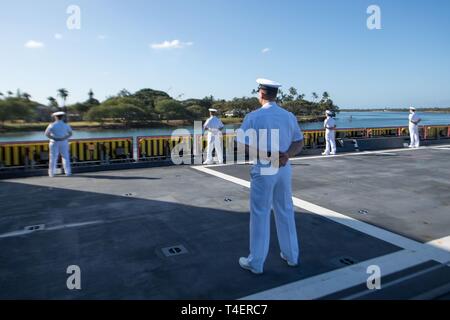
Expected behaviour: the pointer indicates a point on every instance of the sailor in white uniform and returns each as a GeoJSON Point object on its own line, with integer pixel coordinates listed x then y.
{"type": "Point", "coordinates": [330, 134]}
{"type": "Point", "coordinates": [269, 191]}
{"type": "Point", "coordinates": [59, 132]}
{"type": "Point", "coordinates": [414, 121]}
{"type": "Point", "coordinates": [214, 126]}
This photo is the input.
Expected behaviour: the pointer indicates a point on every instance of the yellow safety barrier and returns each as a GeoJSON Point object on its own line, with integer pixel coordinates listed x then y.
{"type": "Point", "coordinates": [102, 149]}
{"type": "Point", "coordinates": [106, 150]}
{"type": "Point", "coordinates": [36, 153]}
{"type": "Point", "coordinates": [160, 147]}
{"type": "Point", "coordinates": [156, 147]}
{"type": "Point", "coordinates": [17, 154]}
{"type": "Point", "coordinates": [314, 138]}
{"type": "Point", "coordinates": [436, 132]}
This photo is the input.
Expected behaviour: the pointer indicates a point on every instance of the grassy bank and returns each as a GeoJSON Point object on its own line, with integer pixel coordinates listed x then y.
{"type": "Point", "coordinates": [89, 125]}
{"type": "Point", "coordinates": [20, 126]}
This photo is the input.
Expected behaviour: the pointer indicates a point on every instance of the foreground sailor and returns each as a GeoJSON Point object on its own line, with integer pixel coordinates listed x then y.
{"type": "Point", "coordinates": [330, 134]}
{"type": "Point", "coordinates": [269, 191]}
{"type": "Point", "coordinates": [59, 132]}
{"type": "Point", "coordinates": [414, 121]}
{"type": "Point", "coordinates": [214, 126]}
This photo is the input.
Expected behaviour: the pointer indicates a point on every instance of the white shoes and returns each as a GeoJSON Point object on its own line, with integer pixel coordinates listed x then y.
{"type": "Point", "coordinates": [325, 154]}
{"type": "Point", "coordinates": [211, 162]}
{"type": "Point", "coordinates": [243, 262]}
{"type": "Point", "coordinates": [290, 264]}
{"type": "Point", "coordinates": [51, 175]}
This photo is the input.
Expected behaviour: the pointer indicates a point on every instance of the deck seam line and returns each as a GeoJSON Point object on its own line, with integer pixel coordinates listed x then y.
{"type": "Point", "coordinates": [334, 281]}
{"type": "Point", "coordinates": [396, 281]}
{"type": "Point", "coordinates": [337, 155]}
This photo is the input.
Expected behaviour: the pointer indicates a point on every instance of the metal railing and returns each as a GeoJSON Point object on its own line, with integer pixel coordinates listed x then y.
{"type": "Point", "coordinates": [35, 154]}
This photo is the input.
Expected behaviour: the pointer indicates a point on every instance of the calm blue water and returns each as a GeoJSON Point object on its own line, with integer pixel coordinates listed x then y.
{"type": "Point", "coordinates": [344, 120]}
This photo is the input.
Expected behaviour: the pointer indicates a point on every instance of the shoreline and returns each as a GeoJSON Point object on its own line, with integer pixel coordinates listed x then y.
{"type": "Point", "coordinates": [393, 111]}
{"type": "Point", "coordinates": [96, 126]}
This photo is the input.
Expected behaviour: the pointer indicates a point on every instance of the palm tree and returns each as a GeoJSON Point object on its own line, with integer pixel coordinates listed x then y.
{"type": "Point", "coordinates": [63, 93]}
{"type": "Point", "coordinates": [301, 96]}
{"type": "Point", "coordinates": [26, 96]}
{"type": "Point", "coordinates": [52, 103]}
{"type": "Point", "coordinates": [124, 93]}
{"type": "Point", "coordinates": [325, 96]}
{"type": "Point", "coordinates": [293, 92]}
{"type": "Point", "coordinates": [282, 96]}
{"type": "Point", "coordinates": [315, 96]}
{"type": "Point", "coordinates": [91, 94]}
{"type": "Point", "coordinates": [1, 94]}
{"type": "Point", "coordinates": [10, 93]}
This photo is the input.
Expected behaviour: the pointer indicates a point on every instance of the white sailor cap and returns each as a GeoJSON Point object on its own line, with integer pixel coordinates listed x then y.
{"type": "Point", "coordinates": [412, 108]}
{"type": "Point", "coordinates": [329, 112]}
{"type": "Point", "coordinates": [267, 84]}
{"type": "Point", "coordinates": [59, 113]}
{"type": "Point", "coordinates": [212, 110]}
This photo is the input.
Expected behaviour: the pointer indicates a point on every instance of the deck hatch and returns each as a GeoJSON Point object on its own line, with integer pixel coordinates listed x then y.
{"type": "Point", "coordinates": [174, 250]}
{"type": "Point", "coordinates": [36, 227]}
{"type": "Point", "coordinates": [344, 261]}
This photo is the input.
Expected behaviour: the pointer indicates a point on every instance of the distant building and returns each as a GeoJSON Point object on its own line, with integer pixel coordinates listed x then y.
{"type": "Point", "coordinates": [236, 113]}
{"type": "Point", "coordinates": [231, 113]}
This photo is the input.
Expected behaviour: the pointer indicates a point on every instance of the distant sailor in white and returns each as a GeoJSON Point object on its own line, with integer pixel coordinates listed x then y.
{"type": "Point", "coordinates": [214, 126]}
{"type": "Point", "coordinates": [272, 191]}
{"type": "Point", "coordinates": [59, 132]}
{"type": "Point", "coordinates": [414, 121]}
{"type": "Point", "coordinates": [330, 134]}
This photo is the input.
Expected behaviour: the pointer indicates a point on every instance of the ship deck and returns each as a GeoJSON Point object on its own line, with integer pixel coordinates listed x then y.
{"type": "Point", "coordinates": [389, 209]}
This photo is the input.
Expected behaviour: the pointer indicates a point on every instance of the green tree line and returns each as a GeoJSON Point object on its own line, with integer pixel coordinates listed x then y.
{"type": "Point", "coordinates": [148, 105]}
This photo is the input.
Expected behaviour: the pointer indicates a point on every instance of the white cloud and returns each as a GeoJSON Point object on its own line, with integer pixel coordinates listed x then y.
{"type": "Point", "coordinates": [32, 44]}
{"type": "Point", "coordinates": [174, 44]}
{"type": "Point", "coordinates": [58, 36]}
{"type": "Point", "coordinates": [265, 50]}
{"type": "Point", "coordinates": [102, 37]}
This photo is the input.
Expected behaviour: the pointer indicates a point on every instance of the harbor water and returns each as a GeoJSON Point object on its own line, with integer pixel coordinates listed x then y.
{"type": "Point", "coordinates": [343, 120]}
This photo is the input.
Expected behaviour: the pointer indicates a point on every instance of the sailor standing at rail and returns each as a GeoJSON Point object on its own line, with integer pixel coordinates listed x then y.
{"type": "Point", "coordinates": [414, 128]}
{"type": "Point", "coordinates": [214, 126]}
{"type": "Point", "coordinates": [271, 188]}
{"type": "Point", "coordinates": [59, 132]}
{"type": "Point", "coordinates": [330, 134]}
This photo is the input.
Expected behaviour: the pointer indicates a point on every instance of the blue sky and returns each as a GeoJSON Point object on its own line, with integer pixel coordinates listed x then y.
{"type": "Point", "coordinates": [321, 45]}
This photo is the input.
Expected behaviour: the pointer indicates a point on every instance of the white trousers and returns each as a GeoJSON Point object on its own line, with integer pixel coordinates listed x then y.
{"type": "Point", "coordinates": [267, 192]}
{"type": "Point", "coordinates": [214, 142]}
{"type": "Point", "coordinates": [59, 148]}
{"type": "Point", "coordinates": [330, 142]}
{"type": "Point", "coordinates": [414, 136]}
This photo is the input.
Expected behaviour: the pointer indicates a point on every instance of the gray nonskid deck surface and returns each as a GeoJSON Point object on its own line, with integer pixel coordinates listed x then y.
{"type": "Point", "coordinates": [405, 192]}
{"type": "Point", "coordinates": [135, 213]}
